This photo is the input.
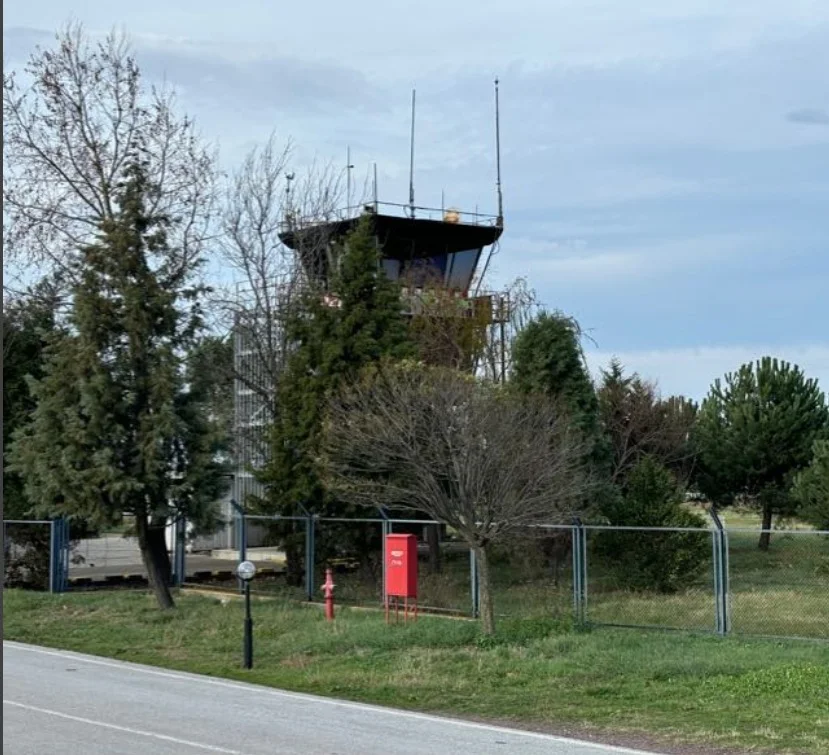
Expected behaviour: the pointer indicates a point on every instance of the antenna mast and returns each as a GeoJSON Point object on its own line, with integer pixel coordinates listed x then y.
{"type": "Point", "coordinates": [348, 167]}
{"type": "Point", "coordinates": [498, 156]}
{"type": "Point", "coordinates": [411, 160]}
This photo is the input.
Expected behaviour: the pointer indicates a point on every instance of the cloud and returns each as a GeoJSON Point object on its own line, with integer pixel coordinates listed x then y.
{"type": "Point", "coordinates": [691, 371]}
{"type": "Point", "coordinates": [284, 84]}
{"type": "Point", "coordinates": [210, 75]}
{"type": "Point", "coordinates": [809, 116]}
{"type": "Point", "coordinates": [601, 265]}
{"type": "Point", "coordinates": [20, 41]}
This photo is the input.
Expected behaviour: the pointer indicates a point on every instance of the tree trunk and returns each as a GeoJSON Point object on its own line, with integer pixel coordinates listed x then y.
{"type": "Point", "coordinates": [765, 537]}
{"type": "Point", "coordinates": [485, 607]}
{"type": "Point", "coordinates": [556, 548]}
{"type": "Point", "coordinates": [293, 563]}
{"type": "Point", "coordinates": [433, 541]}
{"type": "Point", "coordinates": [153, 545]}
{"type": "Point", "coordinates": [294, 554]}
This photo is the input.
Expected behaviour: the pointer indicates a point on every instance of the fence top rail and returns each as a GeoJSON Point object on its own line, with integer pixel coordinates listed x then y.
{"type": "Point", "coordinates": [348, 519]}
{"type": "Point", "coordinates": [758, 531]}
{"type": "Point", "coordinates": [378, 520]}
{"type": "Point", "coordinates": [625, 528]}
{"type": "Point", "coordinates": [274, 518]}
{"type": "Point", "coordinates": [342, 519]}
{"type": "Point", "coordinates": [27, 521]}
{"type": "Point", "coordinates": [551, 526]}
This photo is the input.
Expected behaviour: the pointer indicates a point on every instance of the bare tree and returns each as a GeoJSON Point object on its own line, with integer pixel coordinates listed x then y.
{"type": "Point", "coordinates": [639, 422]}
{"type": "Point", "coordinates": [71, 120]}
{"type": "Point", "coordinates": [468, 453]}
{"type": "Point", "coordinates": [512, 309]}
{"type": "Point", "coordinates": [262, 200]}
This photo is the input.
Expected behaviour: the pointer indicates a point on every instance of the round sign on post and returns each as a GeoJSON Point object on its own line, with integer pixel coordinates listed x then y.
{"type": "Point", "coordinates": [246, 570]}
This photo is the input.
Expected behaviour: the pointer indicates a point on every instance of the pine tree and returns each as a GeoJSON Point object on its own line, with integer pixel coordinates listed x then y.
{"type": "Point", "coordinates": [358, 323]}
{"type": "Point", "coordinates": [116, 429]}
{"type": "Point", "coordinates": [755, 432]}
{"type": "Point", "coordinates": [811, 487]}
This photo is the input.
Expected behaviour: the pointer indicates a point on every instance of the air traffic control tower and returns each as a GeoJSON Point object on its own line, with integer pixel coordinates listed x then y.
{"type": "Point", "coordinates": [420, 245]}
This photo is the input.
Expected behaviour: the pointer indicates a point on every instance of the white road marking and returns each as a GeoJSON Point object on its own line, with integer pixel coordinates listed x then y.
{"type": "Point", "coordinates": [185, 677]}
{"type": "Point", "coordinates": [124, 729]}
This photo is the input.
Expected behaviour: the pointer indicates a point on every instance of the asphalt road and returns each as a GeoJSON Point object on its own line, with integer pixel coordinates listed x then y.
{"type": "Point", "coordinates": [65, 702]}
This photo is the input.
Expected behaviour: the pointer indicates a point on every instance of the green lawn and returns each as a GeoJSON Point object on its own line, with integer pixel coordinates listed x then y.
{"type": "Point", "coordinates": [782, 592]}
{"type": "Point", "coordinates": [748, 695]}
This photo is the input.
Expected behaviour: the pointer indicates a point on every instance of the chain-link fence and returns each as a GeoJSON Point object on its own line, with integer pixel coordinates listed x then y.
{"type": "Point", "coordinates": [36, 554]}
{"type": "Point", "coordinates": [56, 556]}
{"type": "Point", "coordinates": [27, 554]}
{"type": "Point", "coordinates": [652, 577]}
{"type": "Point", "coordinates": [700, 579]}
{"type": "Point", "coordinates": [717, 579]}
{"type": "Point", "coordinates": [781, 590]}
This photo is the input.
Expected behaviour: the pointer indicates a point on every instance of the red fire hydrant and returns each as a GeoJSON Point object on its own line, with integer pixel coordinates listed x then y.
{"type": "Point", "coordinates": [329, 595]}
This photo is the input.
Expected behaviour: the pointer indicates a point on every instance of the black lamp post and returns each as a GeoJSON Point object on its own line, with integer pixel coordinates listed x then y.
{"type": "Point", "coordinates": [246, 571]}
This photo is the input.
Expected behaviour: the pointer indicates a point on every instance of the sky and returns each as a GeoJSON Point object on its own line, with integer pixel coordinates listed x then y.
{"type": "Point", "coordinates": [665, 164]}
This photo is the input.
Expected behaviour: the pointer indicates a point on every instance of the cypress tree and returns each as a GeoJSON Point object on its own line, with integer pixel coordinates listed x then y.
{"type": "Point", "coordinates": [357, 322]}
{"type": "Point", "coordinates": [116, 429]}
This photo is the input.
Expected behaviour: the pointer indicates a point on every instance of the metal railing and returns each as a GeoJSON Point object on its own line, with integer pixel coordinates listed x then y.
{"type": "Point", "coordinates": [296, 222]}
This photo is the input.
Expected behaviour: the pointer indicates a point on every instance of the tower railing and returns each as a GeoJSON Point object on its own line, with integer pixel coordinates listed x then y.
{"type": "Point", "coordinates": [449, 215]}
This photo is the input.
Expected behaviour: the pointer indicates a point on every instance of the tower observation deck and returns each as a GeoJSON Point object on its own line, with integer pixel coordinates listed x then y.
{"type": "Point", "coordinates": [417, 243]}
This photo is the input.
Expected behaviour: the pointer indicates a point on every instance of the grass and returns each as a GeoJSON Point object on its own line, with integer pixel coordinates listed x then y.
{"type": "Point", "coordinates": [746, 695]}
{"type": "Point", "coordinates": [782, 592]}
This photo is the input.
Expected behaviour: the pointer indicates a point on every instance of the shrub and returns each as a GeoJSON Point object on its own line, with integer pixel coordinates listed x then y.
{"type": "Point", "coordinates": [651, 560]}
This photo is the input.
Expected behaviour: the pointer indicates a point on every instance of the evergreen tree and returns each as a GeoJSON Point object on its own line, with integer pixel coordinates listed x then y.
{"type": "Point", "coordinates": [664, 561]}
{"type": "Point", "coordinates": [548, 359]}
{"type": "Point", "coordinates": [811, 488]}
{"type": "Point", "coordinates": [755, 431]}
{"type": "Point", "coordinates": [357, 322]}
{"type": "Point", "coordinates": [27, 323]}
{"type": "Point", "coordinates": [117, 429]}
{"type": "Point", "coordinates": [638, 422]}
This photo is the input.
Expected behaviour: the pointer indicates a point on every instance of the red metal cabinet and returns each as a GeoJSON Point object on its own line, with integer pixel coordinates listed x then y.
{"type": "Point", "coordinates": [401, 566]}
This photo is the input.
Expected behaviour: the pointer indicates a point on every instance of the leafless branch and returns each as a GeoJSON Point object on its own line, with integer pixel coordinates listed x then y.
{"type": "Point", "coordinates": [640, 422]}
{"type": "Point", "coordinates": [72, 119]}
{"type": "Point", "coordinates": [471, 454]}
{"type": "Point", "coordinates": [261, 199]}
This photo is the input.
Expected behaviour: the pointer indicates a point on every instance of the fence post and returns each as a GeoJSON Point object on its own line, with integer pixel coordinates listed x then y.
{"type": "Point", "coordinates": [579, 572]}
{"type": "Point", "coordinates": [720, 563]}
{"type": "Point", "coordinates": [58, 554]}
{"type": "Point", "coordinates": [726, 577]}
{"type": "Point", "coordinates": [179, 541]}
{"type": "Point", "coordinates": [310, 556]}
{"type": "Point", "coordinates": [385, 529]}
{"type": "Point", "coordinates": [53, 556]}
{"type": "Point", "coordinates": [474, 586]}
